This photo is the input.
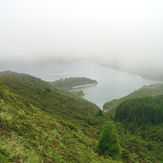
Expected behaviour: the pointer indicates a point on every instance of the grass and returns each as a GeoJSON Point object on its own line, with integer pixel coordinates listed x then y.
{"type": "Point", "coordinates": [138, 147]}
{"type": "Point", "coordinates": [40, 123]}
{"type": "Point", "coordinates": [48, 98]}
{"type": "Point", "coordinates": [30, 135]}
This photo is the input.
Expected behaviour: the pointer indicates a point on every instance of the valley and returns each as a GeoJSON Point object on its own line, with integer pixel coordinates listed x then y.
{"type": "Point", "coordinates": [81, 81]}
{"type": "Point", "coordinates": [42, 123]}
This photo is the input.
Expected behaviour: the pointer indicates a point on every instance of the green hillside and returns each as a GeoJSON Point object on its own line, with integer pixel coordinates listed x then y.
{"type": "Point", "coordinates": [141, 111]}
{"type": "Point", "coordinates": [152, 90]}
{"type": "Point", "coordinates": [52, 100]}
{"type": "Point", "coordinates": [141, 144]}
{"type": "Point", "coordinates": [40, 123]}
{"type": "Point", "coordinates": [29, 135]}
{"type": "Point", "coordinates": [142, 119]}
{"type": "Point", "coordinates": [69, 83]}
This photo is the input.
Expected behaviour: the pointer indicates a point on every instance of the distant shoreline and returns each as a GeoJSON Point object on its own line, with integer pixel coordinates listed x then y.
{"type": "Point", "coordinates": [74, 83]}
{"type": "Point", "coordinates": [85, 85]}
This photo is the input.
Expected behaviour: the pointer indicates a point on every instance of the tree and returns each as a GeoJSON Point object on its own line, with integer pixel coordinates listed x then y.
{"type": "Point", "coordinates": [109, 143]}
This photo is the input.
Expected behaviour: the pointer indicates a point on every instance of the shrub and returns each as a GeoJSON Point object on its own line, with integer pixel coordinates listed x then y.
{"type": "Point", "coordinates": [109, 143]}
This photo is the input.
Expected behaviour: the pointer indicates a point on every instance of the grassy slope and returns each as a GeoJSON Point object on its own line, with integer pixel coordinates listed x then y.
{"type": "Point", "coordinates": [138, 147]}
{"type": "Point", "coordinates": [152, 90]}
{"type": "Point", "coordinates": [28, 134]}
{"type": "Point", "coordinates": [142, 121]}
{"type": "Point", "coordinates": [143, 143]}
{"type": "Point", "coordinates": [52, 100]}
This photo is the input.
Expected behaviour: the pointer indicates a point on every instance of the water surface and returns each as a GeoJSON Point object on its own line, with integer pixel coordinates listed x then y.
{"type": "Point", "coordinates": [112, 83]}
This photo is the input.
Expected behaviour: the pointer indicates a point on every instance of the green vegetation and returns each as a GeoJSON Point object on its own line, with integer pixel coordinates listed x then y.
{"type": "Point", "coordinates": [40, 123]}
{"type": "Point", "coordinates": [109, 142]}
{"type": "Point", "coordinates": [141, 124]}
{"type": "Point", "coordinates": [140, 120]}
{"type": "Point", "coordinates": [48, 98]}
{"type": "Point", "coordinates": [138, 147]}
{"type": "Point", "coordinates": [69, 83]}
{"type": "Point", "coordinates": [152, 90]}
{"type": "Point", "coordinates": [30, 135]}
{"type": "Point", "coordinates": [141, 111]}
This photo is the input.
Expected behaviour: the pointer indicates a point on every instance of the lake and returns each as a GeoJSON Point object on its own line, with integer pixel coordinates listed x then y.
{"type": "Point", "coordinates": [112, 83]}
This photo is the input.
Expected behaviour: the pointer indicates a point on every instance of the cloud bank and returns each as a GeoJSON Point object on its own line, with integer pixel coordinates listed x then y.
{"type": "Point", "coordinates": [127, 34]}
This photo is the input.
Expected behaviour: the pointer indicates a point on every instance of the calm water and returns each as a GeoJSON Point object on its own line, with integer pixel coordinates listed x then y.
{"type": "Point", "coordinates": [112, 83]}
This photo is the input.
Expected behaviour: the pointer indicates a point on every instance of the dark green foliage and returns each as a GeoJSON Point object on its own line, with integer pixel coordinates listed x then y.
{"type": "Point", "coordinates": [146, 91]}
{"type": "Point", "coordinates": [153, 133]}
{"type": "Point", "coordinates": [100, 112]}
{"type": "Point", "coordinates": [69, 83]}
{"type": "Point", "coordinates": [140, 124]}
{"type": "Point", "coordinates": [109, 142]}
{"type": "Point", "coordinates": [4, 156]}
{"type": "Point", "coordinates": [141, 111]}
{"type": "Point", "coordinates": [139, 145]}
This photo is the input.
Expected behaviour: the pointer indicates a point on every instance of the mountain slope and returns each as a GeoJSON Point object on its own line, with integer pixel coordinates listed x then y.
{"type": "Point", "coordinates": [40, 123]}
{"type": "Point", "coordinates": [46, 97]}
{"type": "Point", "coordinates": [151, 90]}
{"type": "Point", "coordinates": [141, 111]}
{"type": "Point", "coordinates": [30, 135]}
{"type": "Point", "coordinates": [142, 119]}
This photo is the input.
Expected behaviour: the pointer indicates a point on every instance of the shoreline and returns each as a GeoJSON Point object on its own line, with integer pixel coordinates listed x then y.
{"type": "Point", "coordinates": [85, 85]}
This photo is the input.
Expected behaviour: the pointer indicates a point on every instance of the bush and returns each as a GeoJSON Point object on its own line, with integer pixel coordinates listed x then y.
{"type": "Point", "coordinates": [109, 143]}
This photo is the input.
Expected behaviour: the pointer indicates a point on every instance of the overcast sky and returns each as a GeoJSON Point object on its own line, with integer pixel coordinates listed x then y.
{"type": "Point", "coordinates": [126, 32]}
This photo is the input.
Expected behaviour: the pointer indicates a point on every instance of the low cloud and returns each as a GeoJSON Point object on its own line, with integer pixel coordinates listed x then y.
{"type": "Point", "coordinates": [125, 34]}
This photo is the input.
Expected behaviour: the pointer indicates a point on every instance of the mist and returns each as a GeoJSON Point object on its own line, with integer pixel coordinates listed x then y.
{"type": "Point", "coordinates": [123, 34]}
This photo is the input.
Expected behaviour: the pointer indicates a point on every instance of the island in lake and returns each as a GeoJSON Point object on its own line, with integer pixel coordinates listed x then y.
{"type": "Point", "coordinates": [74, 82]}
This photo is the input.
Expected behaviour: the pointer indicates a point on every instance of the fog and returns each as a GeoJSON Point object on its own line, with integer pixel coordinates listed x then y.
{"type": "Point", "coordinates": [124, 34]}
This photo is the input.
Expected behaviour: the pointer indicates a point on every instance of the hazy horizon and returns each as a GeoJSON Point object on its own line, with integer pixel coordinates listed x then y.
{"type": "Point", "coordinates": [125, 34]}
